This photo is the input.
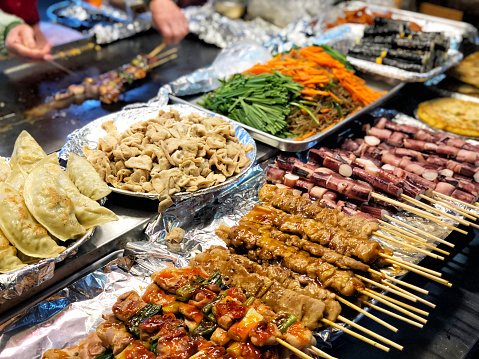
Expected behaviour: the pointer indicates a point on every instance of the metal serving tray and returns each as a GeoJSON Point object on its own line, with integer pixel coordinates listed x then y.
{"type": "Point", "coordinates": [290, 145]}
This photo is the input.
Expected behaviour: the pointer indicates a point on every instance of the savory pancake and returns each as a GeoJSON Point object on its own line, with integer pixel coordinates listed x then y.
{"type": "Point", "coordinates": [452, 115]}
{"type": "Point", "coordinates": [468, 70]}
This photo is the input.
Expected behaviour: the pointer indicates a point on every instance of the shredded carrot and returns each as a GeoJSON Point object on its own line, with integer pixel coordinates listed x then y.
{"type": "Point", "coordinates": [338, 100]}
{"type": "Point", "coordinates": [305, 136]}
{"type": "Point", "coordinates": [326, 110]}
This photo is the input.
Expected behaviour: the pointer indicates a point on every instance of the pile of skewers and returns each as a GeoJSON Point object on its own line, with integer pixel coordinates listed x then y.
{"type": "Point", "coordinates": [186, 314]}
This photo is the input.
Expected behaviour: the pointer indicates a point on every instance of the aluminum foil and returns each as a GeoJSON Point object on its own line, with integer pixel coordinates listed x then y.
{"type": "Point", "coordinates": [20, 281]}
{"type": "Point", "coordinates": [111, 25]}
{"type": "Point", "coordinates": [92, 132]}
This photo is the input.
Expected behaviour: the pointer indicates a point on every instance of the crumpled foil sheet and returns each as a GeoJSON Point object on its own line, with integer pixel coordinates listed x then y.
{"type": "Point", "coordinates": [106, 34]}
{"type": "Point", "coordinates": [20, 281]}
{"type": "Point", "coordinates": [117, 24]}
{"type": "Point", "coordinates": [92, 132]}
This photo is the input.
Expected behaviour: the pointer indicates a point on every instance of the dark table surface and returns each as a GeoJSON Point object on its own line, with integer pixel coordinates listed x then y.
{"type": "Point", "coordinates": [452, 331]}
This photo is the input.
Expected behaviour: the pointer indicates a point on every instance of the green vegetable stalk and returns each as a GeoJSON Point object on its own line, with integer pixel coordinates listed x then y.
{"type": "Point", "coordinates": [206, 328]}
{"type": "Point", "coordinates": [107, 354]}
{"type": "Point", "coordinates": [261, 101]}
{"type": "Point", "coordinates": [149, 310]}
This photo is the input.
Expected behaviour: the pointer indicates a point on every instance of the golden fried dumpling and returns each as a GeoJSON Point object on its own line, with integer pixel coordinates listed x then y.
{"type": "Point", "coordinates": [85, 177]}
{"type": "Point", "coordinates": [49, 203]}
{"type": "Point", "coordinates": [88, 212]}
{"type": "Point", "coordinates": [26, 152]}
{"type": "Point", "coordinates": [5, 169]}
{"type": "Point", "coordinates": [21, 228]}
{"type": "Point", "coordinates": [8, 258]}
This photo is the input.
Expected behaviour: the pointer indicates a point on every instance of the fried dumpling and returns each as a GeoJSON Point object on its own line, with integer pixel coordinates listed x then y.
{"type": "Point", "coordinates": [21, 228]}
{"type": "Point", "coordinates": [8, 256]}
{"type": "Point", "coordinates": [5, 169]}
{"type": "Point", "coordinates": [85, 177]}
{"type": "Point", "coordinates": [88, 212]}
{"type": "Point", "coordinates": [26, 152]}
{"type": "Point", "coordinates": [16, 179]}
{"type": "Point", "coordinates": [49, 203]}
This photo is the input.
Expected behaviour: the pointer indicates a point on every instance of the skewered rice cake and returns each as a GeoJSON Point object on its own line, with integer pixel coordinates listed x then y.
{"type": "Point", "coordinates": [452, 115]}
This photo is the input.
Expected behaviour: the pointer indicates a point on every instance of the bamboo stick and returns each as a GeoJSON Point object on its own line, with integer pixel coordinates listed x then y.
{"type": "Point", "coordinates": [435, 256]}
{"type": "Point", "coordinates": [420, 231]}
{"type": "Point", "coordinates": [321, 353]}
{"type": "Point", "coordinates": [293, 349]}
{"type": "Point", "coordinates": [392, 314]}
{"type": "Point", "coordinates": [157, 49]}
{"type": "Point", "coordinates": [417, 211]}
{"type": "Point", "coordinates": [403, 231]}
{"type": "Point", "coordinates": [395, 280]}
{"type": "Point", "coordinates": [418, 298]}
{"type": "Point", "coordinates": [398, 302]}
{"type": "Point", "coordinates": [371, 333]}
{"type": "Point", "coordinates": [413, 239]}
{"type": "Point", "coordinates": [366, 313]}
{"type": "Point", "coordinates": [356, 335]}
{"type": "Point", "coordinates": [397, 307]}
{"type": "Point", "coordinates": [450, 206]}
{"type": "Point", "coordinates": [456, 200]}
{"type": "Point", "coordinates": [385, 287]}
{"type": "Point", "coordinates": [400, 261]}
{"type": "Point", "coordinates": [164, 61]}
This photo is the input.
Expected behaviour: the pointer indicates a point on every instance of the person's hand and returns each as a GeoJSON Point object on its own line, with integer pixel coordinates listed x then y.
{"type": "Point", "coordinates": [21, 41]}
{"type": "Point", "coordinates": [169, 20]}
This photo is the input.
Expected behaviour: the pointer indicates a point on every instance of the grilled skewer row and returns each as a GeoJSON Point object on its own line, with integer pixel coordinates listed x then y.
{"type": "Point", "coordinates": [150, 326]}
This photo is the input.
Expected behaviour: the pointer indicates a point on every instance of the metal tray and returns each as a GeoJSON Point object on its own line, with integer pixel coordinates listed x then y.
{"type": "Point", "coordinates": [92, 132]}
{"type": "Point", "coordinates": [290, 145]}
{"type": "Point", "coordinates": [460, 33]}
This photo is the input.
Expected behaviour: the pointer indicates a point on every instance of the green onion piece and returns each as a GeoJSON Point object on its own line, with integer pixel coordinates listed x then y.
{"type": "Point", "coordinates": [215, 279]}
{"type": "Point", "coordinates": [185, 292]}
{"type": "Point", "coordinates": [76, 354]}
{"type": "Point", "coordinates": [249, 300]}
{"type": "Point", "coordinates": [307, 110]}
{"type": "Point", "coordinates": [284, 321]}
{"type": "Point", "coordinates": [107, 354]}
{"type": "Point", "coordinates": [205, 329]}
{"type": "Point", "coordinates": [154, 345]}
{"type": "Point", "coordinates": [211, 317]}
{"type": "Point", "coordinates": [132, 323]}
{"type": "Point", "coordinates": [336, 104]}
{"type": "Point", "coordinates": [208, 307]}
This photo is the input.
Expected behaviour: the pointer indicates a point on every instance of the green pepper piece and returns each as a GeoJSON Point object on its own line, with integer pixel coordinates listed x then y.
{"type": "Point", "coordinates": [132, 323]}
{"type": "Point", "coordinates": [154, 345]}
{"type": "Point", "coordinates": [107, 354]}
{"type": "Point", "coordinates": [208, 307]}
{"type": "Point", "coordinates": [284, 321]}
{"type": "Point", "coordinates": [185, 292]}
{"type": "Point", "coordinates": [249, 301]}
{"type": "Point", "coordinates": [206, 328]}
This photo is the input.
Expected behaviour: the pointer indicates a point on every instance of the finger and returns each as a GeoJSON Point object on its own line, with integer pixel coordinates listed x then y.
{"type": "Point", "coordinates": [27, 35]}
{"type": "Point", "coordinates": [27, 52]}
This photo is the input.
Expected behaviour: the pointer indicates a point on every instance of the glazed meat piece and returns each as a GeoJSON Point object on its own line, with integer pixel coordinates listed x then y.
{"type": "Point", "coordinates": [114, 335]}
{"type": "Point", "coordinates": [87, 348]}
{"type": "Point", "coordinates": [127, 305]}
{"type": "Point", "coordinates": [170, 279]}
{"type": "Point", "coordinates": [155, 295]}
{"type": "Point", "coordinates": [176, 345]}
{"type": "Point", "coordinates": [158, 325]}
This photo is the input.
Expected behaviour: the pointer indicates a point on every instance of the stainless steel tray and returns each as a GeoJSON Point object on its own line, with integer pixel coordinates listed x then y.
{"type": "Point", "coordinates": [290, 145]}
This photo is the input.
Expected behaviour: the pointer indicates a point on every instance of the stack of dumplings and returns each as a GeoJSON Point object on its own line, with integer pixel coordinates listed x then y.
{"type": "Point", "coordinates": [42, 206]}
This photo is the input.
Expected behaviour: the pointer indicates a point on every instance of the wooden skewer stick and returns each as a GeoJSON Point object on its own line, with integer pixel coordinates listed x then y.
{"type": "Point", "coordinates": [384, 275]}
{"type": "Point", "coordinates": [409, 245]}
{"type": "Point", "coordinates": [402, 231]}
{"type": "Point", "coordinates": [455, 200]}
{"type": "Point", "coordinates": [438, 211]}
{"type": "Point", "coordinates": [398, 302]}
{"type": "Point", "coordinates": [322, 354]}
{"type": "Point", "coordinates": [356, 335]}
{"type": "Point", "coordinates": [167, 53]}
{"type": "Point", "coordinates": [367, 314]}
{"type": "Point", "coordinates": [420, 272]}
{"type": "Point", "coordinates": [164, 61]}
{"type": "Point", "coordinates": [420, 231]}
{"type": "Point", "coordinates": [450, 206]}
{"type": "Point", "coordinates": [412, 265]}
{"type": "Point", "coordinates": [293, 349]}
{"type": "Point", "coordinates": [442, 201]}
{"type": "Point", "coordinates": [392, 314]}
{"type": "Point", "coordinates": [157, 49]}
{"type": "Point", "coordinates": [418, 298]}
{"type": "Point", "coordinates": [385, 287]}
{"type": "Point", "coordinates": [417, 211]}
{"type": "Point", "coordinates": [412, 238]}
{"type": "Point", "coordinates": [397, 307]}
{"type": "Point", "coordinates": [371, 333]}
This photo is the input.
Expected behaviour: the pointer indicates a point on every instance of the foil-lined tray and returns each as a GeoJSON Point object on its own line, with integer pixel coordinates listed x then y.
{"type": "Point", "coordinates": [92, 132]}
{"type": "Point", "coordinates": [16, 283]}
{"type": "Point", "coordinates": [73, 312]}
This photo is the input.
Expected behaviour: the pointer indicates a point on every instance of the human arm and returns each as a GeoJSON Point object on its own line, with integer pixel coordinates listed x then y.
{"type": "Point", "coordinates": [169, 20]}
{"type": "Point", "coordinates": [18, 38]}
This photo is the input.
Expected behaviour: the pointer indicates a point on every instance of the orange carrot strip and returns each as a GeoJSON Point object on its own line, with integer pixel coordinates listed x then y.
{"type": "Point", "coordinates": [305, 136]}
